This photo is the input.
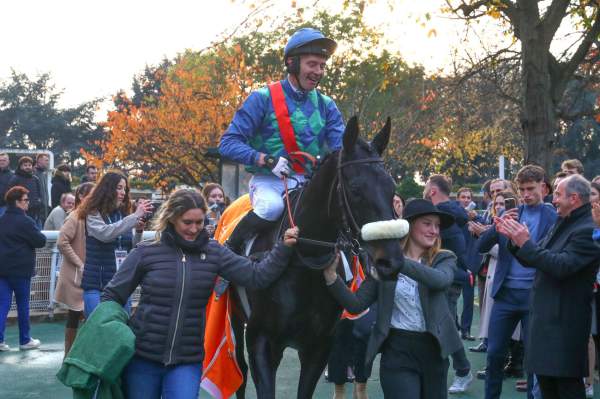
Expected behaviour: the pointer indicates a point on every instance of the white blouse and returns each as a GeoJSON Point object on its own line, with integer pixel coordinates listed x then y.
{"type": "Point", "coordinates": [408, 312]}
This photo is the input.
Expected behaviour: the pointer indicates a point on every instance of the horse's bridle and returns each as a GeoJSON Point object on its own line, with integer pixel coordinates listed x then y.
{"type": "Point", "coordinates": [348, 221]}
{"type": "Point", "coordinates": [349, 235]}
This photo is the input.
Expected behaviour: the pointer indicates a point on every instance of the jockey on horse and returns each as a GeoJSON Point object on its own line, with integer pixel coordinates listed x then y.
{"type": "Point", "coordinates": [257, 139]}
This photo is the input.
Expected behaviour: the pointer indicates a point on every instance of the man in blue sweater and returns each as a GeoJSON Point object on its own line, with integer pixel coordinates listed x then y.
{"type": "Point", "coordinates": [437, 190]}
{"type": "Point", "coordinates": [254, 137]}
{"type": "Point", "coordinates": [513, 282]}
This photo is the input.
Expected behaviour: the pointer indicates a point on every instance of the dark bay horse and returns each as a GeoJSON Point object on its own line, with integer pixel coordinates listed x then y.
{"type": "Point", "coordinates": [350, 188]}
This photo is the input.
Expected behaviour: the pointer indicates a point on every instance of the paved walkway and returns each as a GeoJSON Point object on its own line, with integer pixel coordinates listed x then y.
{"type": "Point", "coordinates": [32, 374]}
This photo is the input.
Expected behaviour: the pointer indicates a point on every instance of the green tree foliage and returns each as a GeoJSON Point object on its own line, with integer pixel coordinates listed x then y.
{"type": "Point", "coordinates": [408, 189]}
{"type": "Point", "coordinates": [363, 77]}
{"type": "Point", "coordinates": [474, 129]}
{"type": "Point", "coordinates": [31, 118]}
{"type": "Point", "coordinates": [146, 86]}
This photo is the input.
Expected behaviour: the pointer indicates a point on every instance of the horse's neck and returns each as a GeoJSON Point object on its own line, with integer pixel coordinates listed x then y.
{"type": "Point", "coordinates": [317, 214]}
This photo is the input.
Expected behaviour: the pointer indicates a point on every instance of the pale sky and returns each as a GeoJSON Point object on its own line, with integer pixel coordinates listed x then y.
{"type": "Point", "coordinates": [93, 48]}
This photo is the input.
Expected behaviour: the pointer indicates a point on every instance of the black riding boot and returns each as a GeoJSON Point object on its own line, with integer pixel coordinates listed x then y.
{"type": "Point", "coordinates": [514, 366]}
{"type": "Point", "coordinates": [249, 226]}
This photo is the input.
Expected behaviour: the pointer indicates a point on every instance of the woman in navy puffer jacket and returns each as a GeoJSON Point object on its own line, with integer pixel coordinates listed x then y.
{"type": "Point", "coordinates": [177, 274]}
{"type": "Point", "coordinates": [19, 237]}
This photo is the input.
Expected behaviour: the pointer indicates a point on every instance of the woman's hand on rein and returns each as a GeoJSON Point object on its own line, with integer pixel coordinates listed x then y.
{"type": "Point", "coordinates": [290, 236]}
{"type": "Point", "coordinates": [330, 272]}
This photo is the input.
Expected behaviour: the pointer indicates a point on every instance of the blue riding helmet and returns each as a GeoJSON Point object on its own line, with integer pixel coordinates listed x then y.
{"type": "Point", "coordinates": [309, 41]}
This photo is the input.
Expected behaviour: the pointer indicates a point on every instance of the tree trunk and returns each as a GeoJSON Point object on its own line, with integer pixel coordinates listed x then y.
{"type": "Point", "coordinates": [539, 119]}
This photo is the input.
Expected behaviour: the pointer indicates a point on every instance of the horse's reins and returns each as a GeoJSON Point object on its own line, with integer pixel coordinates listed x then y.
{"type": "Point", "coordinates": [313, 160]}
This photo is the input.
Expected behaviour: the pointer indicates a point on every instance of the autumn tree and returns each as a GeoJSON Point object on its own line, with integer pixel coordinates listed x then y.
{"type": "Point", "coordinates": [166, 137]}
{"type": "Point", "coordinates": [475, 127]}
{"type": "Point", "coordinates": [364, 77]}
{"type": "Point", "coordinates": [163, 118]}
{"type": "Point", "coordinates": [545, 72]}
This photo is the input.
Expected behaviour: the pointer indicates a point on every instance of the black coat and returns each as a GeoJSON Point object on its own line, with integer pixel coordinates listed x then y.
{"type": "Point", "coordinates": [453, 239]}
{"type": "Point", "coordinates": [5, 176]}
{"type": "Point", "coordinates": [19, 237]}
{"type": "Point", "coordinates": [60, 185]}
{"type": "Point", "coordinates": [31, 183]}
{"type": "Point", "coordinates": [176, 285]}
{"type": "Point", "coordinates": [561, 305]}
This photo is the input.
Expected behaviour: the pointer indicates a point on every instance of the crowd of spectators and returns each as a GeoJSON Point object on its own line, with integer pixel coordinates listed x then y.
{"type": "Point", "coordinates": [527, 247]}
{"type": "Point", "coordinates": [532, 250]}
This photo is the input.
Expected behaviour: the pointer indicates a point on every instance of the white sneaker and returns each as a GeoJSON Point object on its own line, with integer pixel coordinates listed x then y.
{"type": "Point", "coordinates": [32, 344]}
{"type": "Point", "coordinates": [460, 384]}
{"type": "Point", "coordinates": [589, 390]}
{"type": "Point", "coordinates": [4, 347]}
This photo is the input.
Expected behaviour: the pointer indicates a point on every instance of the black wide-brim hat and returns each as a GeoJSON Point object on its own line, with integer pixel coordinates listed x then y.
{"type": "Point", "coordinates": [422, 207]}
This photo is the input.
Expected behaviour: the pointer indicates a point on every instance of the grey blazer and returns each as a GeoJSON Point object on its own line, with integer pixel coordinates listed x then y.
{"type": "Point", "coordinates": [433, 281]}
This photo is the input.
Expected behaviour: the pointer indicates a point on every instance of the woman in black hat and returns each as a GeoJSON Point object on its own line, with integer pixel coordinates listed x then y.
{"type": "Point", "coordinates": [414, 330]}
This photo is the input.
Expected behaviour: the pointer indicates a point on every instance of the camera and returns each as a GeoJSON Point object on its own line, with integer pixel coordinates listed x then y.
{"type": "Point", "coordinates": [150, 215]}
{"type": "Point", "coordinates": [510, 203]}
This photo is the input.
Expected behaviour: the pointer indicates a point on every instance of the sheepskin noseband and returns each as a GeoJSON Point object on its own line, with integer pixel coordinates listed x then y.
{"type": "Point", "coordinates": [384, 230]}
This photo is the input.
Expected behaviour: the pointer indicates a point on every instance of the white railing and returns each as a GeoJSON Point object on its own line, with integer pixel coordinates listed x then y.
{"type": "Point", "coordinates": [47, 268]}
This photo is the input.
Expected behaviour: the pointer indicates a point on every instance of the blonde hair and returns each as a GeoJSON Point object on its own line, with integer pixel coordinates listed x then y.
{"type": "Point", "coordinates": [430, 254]}
{"type": "Point", "coordinates": [178, 203]}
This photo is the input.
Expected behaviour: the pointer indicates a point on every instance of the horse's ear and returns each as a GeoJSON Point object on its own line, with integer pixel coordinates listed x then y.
{"type": "Point", "coordinates": [382, 138]}
{"type": "Point", "coordinates": [351, 134]}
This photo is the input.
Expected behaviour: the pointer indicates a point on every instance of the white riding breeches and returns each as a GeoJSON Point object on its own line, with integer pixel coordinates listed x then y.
{"type": "Point", "coordinates": [266, 194]}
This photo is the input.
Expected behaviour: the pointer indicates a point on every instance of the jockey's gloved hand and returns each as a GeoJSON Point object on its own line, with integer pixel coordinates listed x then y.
{"type": "Point", "coordinates": [279, 166]}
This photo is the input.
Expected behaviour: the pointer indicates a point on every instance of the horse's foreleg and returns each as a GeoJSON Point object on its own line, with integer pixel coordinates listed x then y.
{"type": "Point", "coordinates": [238, 330]}
{"type": "Point", "coordinates": [264, 359]}
{"type": "Point", "coordinates": [312, 363]}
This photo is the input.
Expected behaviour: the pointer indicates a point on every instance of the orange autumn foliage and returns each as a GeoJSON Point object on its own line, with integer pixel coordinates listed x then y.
{"type": "Point", "coordinates": [166, 141]}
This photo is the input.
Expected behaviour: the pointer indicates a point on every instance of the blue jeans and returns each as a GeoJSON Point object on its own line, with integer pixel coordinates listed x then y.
{"type": "Point", "coordinates": [511, 305]}
{"type": "Point", "coordinates": [535, 390]}
{"type": "Point", "coordinates": [144, 379]}
{"type": "Point", "coordinates": [21, 287]}
{"type": "Point", "coordinates": [91, 299]}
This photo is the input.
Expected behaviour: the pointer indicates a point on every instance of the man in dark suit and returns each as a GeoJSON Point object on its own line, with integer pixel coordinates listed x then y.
{"type": "Point", "coordinates": [566, 261]}
{"type": "Point", "coordinates": [512, 281]}
{"type": "Point", "coordinates": [464, 197]}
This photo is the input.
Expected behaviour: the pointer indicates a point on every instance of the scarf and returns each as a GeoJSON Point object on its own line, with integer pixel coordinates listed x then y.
{"type": "Point", "coordinates": [171, 237]}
